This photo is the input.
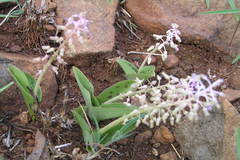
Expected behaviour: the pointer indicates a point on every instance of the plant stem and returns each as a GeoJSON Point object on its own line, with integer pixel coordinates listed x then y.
{"type": "Point", "coordinates": [145, 60]}
{"type": "Point", "coordinates": [40, 78]}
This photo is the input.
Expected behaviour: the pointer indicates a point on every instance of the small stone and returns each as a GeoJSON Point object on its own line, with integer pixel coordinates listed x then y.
{"type": "Point", "coordinates": [28, 136]}
{"type": "Point", "coordinates": [234, 80]}
{"type": "Point", "coordinates": [15, 48]}
{"type": "Point", "coordinates": [171, 61]}
{"type": "Point", "coordinates": [155, 152]}
{"type": "Point", "coordinates": [140, 138]}
{"type": "Point", "coordinates": [168, 156]}
{"type": "Point", "coordinates": [163, 135]}
{"type": "Point", "coordinates": [123, 141]}
{"type": "Point", "coordinates": [231, 94]}
{"type": "Point", "coordinates": [29, 149]}
{"type": "Point", "coordinates": [49, 27]}
{"type": "Point", "coordinates": [30, 142]}
{"type": "Point", "coordinates": [24, 118]}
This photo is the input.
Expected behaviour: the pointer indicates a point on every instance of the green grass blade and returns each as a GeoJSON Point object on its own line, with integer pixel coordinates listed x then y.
{"type": "Point", "coordinates": [5, 87]}
{"type": "Point", "coordinates": [226, 11]}
{"type": "Point", "coordinates": [208, 3]}
{"type": "Point", "coordinates": [232, 4]}
{"type": "Point", "coordinates": [237, 135]}
{"type": "Point", "coordinates": [237, 59]}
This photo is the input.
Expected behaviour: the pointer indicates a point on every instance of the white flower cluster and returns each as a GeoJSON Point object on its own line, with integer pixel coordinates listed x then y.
{"type": "Point", "coordinates": [171, 98]}
{"type": "Point", "coordinates": [166, 40]}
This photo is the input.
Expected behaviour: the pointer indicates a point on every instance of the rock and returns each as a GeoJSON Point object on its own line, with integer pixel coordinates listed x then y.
{"type": "Point", "coordinates": [155, 152]}
{"type": "Point", "coordinates": [231, 94]}
{"type": "Point", "coordinates": [168, 156]}
{"type": "Point", "coordinates": [8, 97]}
{"type": "Point", "coordinates": [171, 61]}
{"type": "Point", "coordinates": [15, 48]}
{"type": "Point", "coordinates": [234, 79]}
{"type": "Point", "coordinates": [23, 118]}
{"type": "Point", "coordinates": [210, 138]}
{"type": "Point", "coordinates": [156, 16]}
{"type": "Point", "coordinates": [123, 141]}
{"type": "Point", "coordinates": [231, 123]}
{"type": "Point", "coordinates": [100, 37]}
{"type": "Point", "coordinates": [202, 139]}
{"type": "Point", "coordinates": [142, 137]}
{"type": "Point", "coordinates": [163, 135]}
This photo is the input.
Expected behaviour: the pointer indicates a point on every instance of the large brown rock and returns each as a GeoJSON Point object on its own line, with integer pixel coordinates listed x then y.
{"type": "Point", "coordinates": [101, 17]}
{"type": "Point", "coordinates": [12, 97]}
{"type": "Point", "coordinates": [156, 16]}
{"type": "Point", "coordinates": [212, 137]}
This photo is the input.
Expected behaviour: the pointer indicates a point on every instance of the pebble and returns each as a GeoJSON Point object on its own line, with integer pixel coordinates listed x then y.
{"type": "Point", "coordinates": [171, 61]}
{"type": "Point", "coordinates": [154, 152]}
{"type": "Point", "coordinates": [123, 141]}
{"type": "Point", "coordinates": [24, 118]}
{"type": "Point", "coordinates": [142, 137]}
{"type": "Point", "coordinates": [234, 80]}
{"type": "Point", "coordinates": [15, 48]}
{"type": "Point", "coordinates": [168, 156]}
{"type": "Point", "coordinates": [29, 149]}
{"type": "Point", "coordinates": [163, 135]}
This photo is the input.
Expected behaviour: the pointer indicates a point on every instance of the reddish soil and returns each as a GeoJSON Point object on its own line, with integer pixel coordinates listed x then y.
{"type": "Point", "coordinates": [193, 58]}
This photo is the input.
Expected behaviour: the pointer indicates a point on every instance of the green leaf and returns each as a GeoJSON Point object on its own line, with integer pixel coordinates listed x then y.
{"type": "Point", "coordinates": [83, 80]}
{"type": "Point", "coordinates": [5, 87]}
{"type": "Point", "coordinates": [237, 135]}
{"type": "Point", "coordinates": [236, 59]}
{"type": "Point", "coordinates": [127, 67]}
{"type": "Point", "coordinates": [232, 4]}
{"type": "Point", "coordinates": [85, 86]}
{"type": "Point", "coordinates": [118, 132]}
{"type": "Point", "coordinates": [32, 82]}
{"type": "Point", "coordinates": [86, 130]}
{"type": "Point", "coordinates": [24, 85]}
{"type": "Point", "coordinates": [226, 11]}
{"type": "Point", "coordinates": [109, 111]}
{"type": "Point", "coordinates": [147, 72]}
{"type": "Point", "coordinates": [115, 90]}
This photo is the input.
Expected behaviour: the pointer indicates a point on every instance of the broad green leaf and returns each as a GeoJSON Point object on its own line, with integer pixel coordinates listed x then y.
{"type": "Point", "coordinates": [226, 11]}
{"type": "Point", "coordinates": [83, 80]}
{"type": "Point", "coordinates": [32, 83]}
{"type": "Point", "coordinates": [147, 72]}
{"type": "Point", "coordinates": [86, 130]}
{"type": "Point", "coordinates": [85, 86]}
{"type": "Point", "coordinates": [109, 111]}
{"type": "Point", "coordinates": [127, 67]}
{"type": "Point", "coordinates": [115, 90]}
{"type": "Point", "coordinates": [5, 87]}
{"type": "Point", "coordinates": [19, 75]}
{"type": "Point", "coordinates": [23, 84]}
{"type": "Point", "coordinates": [118, 132]}
{"type": "Point", "coordinates": [237, 136]}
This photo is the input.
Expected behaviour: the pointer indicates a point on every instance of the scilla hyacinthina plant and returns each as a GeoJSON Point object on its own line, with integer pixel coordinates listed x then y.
{"type": "Point", "coordinates": [30, 86]}
{"type": "Point", "coordinates": [167, 99]}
